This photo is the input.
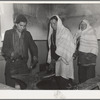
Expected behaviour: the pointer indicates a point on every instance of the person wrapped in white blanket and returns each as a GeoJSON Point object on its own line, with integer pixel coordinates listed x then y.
{"type": "Point", "coordinates": [87, 51]}
{"type": "Point", "coordinates": [61, 50]}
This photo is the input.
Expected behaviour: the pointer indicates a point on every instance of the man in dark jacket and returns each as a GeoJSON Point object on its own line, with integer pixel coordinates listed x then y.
{"type": "Point", "coordinates": [16, 43]}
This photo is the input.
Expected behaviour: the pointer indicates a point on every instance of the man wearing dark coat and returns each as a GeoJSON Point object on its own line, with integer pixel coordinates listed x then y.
{"type": "Point", "coordinates": [17, 42]}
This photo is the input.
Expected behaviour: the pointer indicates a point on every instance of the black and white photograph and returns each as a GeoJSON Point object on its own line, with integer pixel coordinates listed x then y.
{"type": "Point", "coordinates": [49, 46]}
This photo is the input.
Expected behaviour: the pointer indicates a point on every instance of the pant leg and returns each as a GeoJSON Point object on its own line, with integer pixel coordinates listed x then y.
{"type": "Point", "coordinates": [21, 83]}
{"type": "Point", "coordinates": [18, 67]}
{"type": "Point", "coordinates": [9, 81]}
{"type": "Point", "coordinates": [82, 74]}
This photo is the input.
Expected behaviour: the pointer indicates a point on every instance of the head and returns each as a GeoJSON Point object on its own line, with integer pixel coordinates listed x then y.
{"type": "Point", "coordinates": [83, 25]}
{"type": "Point", "coordinates": [21, 23]}
{"type": "Point", "coordinates": [53, 22]}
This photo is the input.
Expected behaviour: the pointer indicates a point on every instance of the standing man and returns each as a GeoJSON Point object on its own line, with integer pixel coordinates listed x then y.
{"type": "Point", "coordinates": [61, 49]}
{"type": "Point", "coordinates": [16, 43]}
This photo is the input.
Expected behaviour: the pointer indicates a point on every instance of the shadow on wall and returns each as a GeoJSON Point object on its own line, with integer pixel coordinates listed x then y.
{"type": "Point", "coordinates": [38, 16]}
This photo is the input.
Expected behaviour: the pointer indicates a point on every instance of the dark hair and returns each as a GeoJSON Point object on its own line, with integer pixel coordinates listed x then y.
{"type": "Point", "coordinates": [54, 17]}
{"type": "Point", "coordinates": [20, 18]}
{"type": "Point", "coordinates": [80, 24]}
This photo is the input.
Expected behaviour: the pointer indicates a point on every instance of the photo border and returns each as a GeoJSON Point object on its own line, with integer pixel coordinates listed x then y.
{"type": "Point", "coordinates": [50, 94]}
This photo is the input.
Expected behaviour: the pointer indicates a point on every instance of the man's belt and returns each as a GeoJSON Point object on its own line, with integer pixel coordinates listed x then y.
{"type": "Point", "coordinates": [16, 59]}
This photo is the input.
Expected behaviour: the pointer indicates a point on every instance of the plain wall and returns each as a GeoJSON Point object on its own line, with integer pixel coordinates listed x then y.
{"type": "Point", "coordinates": [6, 22]}
{"type": "Point", "coordinates": [42, 50]}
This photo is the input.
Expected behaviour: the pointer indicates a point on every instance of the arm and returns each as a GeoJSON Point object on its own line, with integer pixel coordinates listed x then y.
{"type": "Point", "coordinates": [33, 50]}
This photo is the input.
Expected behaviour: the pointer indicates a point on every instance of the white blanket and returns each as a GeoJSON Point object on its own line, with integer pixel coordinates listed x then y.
{"type": "Point", "coordinates": [88, 39]}
{"type": "Point", "coordinates": [65, 48]}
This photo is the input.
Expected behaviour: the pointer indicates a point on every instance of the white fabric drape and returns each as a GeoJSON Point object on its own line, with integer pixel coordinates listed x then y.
{"type": "Point", "coordinates": [88, 40]}
{"type": "Point", "coordinates": [65, 48]}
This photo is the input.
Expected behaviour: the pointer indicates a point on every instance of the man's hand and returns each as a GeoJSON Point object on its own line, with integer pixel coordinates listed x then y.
{"type": "Point", "coordinates": [33, 65]}
{"type": "Point", "coordinates": [12, 55]}
{"type": "Point", "coordinates": [34, 62]}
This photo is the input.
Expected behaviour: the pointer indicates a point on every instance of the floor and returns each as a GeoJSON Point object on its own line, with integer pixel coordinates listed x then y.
{"type": "Point", "coordinates": [43, 81]}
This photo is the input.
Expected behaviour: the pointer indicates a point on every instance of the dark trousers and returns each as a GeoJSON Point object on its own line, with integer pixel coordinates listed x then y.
{"type": "Point", "coordinates": [86, 72]}
{"type": "Point", "coordinates": [18, 67]}
{"type": "Point", "coordinates": [11, 82]}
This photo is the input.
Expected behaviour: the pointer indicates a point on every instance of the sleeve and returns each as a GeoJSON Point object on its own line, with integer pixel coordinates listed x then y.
{"type": "Point", "coordinates": [33, 48]}
{"type": "Point", "coordinates": [6, 52]}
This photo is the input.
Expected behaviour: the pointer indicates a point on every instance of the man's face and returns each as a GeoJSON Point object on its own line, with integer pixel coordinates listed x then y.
{"type": "Point", "coordinates": [53, 23]}
{"type": "Point", "coordinates": [83, 26]}
{"type": "Point", "coordinates": [21, 26]}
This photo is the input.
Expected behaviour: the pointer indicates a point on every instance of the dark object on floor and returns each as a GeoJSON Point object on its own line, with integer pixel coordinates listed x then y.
{"type": "Point", "coordinates": [50, 83]}
{"type": "Point", "coordinates": [42, 81]}
{"type": "Point", "coordinates": [65, 84]}
{"type": "Point", "coordinates": [47, 83]}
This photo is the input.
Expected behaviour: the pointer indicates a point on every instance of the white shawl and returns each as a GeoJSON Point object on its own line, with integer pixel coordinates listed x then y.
{"type": "Point", "coordinates": [65, 46]}
{"type": "Point", "coordinates": [88, 40]}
